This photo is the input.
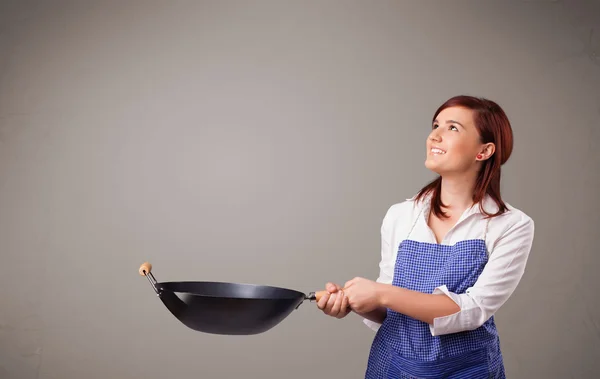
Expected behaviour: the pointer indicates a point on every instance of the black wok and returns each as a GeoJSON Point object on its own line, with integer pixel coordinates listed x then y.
{"type": "Point", "coordinates": [227, 308]}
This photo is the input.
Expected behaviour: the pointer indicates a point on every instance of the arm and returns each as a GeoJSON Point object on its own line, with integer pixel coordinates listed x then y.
{"type": "Point", "coordinates": [375, 318]}
{"type": "Point", "coordinates": [377, 315]}
{"type": "Point", "coordinates": [448, 312]}
{"type": "Point", "coordinates": [421, 306]}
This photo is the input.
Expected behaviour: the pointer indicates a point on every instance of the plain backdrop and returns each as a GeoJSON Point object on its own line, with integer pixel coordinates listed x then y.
{"type": "Point", "coordinates": [263, 142]}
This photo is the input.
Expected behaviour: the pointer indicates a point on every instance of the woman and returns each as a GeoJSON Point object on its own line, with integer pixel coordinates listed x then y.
{"type": "Point", "coordinates": [450, 257]}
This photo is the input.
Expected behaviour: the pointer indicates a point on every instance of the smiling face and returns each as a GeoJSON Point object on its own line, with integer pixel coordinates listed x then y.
{"type": "Point", "coordinates": [454, 145]}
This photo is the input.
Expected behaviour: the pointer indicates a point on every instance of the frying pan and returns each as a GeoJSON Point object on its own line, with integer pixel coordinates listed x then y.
{"type": "Point", "coordinates": [227, 308]}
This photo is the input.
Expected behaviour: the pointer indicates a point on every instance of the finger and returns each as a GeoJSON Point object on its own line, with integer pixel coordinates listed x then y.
{"type": "Point", "coordinates": [331, 288]}
{"type": "Point", "coordinates": [344, 308]}
{"type": "Point", "coordinates": [323, 301]}
{"type": "Point", "coordinates": [330, 303]}
{"type": "Point", "coordinates": [335, 310]}
{"type": "Point", "coordinates": [348, 292]}
{"type": "Point", "coordinates": [349, 283]}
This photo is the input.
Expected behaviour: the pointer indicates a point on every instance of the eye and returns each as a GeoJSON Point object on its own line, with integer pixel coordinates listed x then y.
{"type": "Point", "coordinates": [435, 126]}
{"type": "Point", "coordinates": [452, 127]}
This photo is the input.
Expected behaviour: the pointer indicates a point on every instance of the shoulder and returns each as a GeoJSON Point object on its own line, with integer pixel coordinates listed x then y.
{"type": "Point", "coordinates": [514, 225]}
{"type": "Point", "coordinates": [402, 209]}
{"type": "Point", "coordinates": [511, 218]}
{"type": "Point", "coordinates": [515, 217]}
{"type": "Point", "coordinates": [401, 213]}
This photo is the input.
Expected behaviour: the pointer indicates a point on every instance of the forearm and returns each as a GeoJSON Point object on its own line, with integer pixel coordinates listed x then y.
{"type": "Point", "coordinates": [421, 306]}
{"type": "Point", "coordinates": [377, 315]}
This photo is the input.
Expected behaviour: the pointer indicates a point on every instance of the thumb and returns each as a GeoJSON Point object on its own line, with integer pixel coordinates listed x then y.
{"type": "Point", "coordinates": [331, 288]}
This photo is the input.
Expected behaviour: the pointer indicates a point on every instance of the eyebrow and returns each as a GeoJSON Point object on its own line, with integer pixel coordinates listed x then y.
{"type": "Point", "coordinates": [451, 122]}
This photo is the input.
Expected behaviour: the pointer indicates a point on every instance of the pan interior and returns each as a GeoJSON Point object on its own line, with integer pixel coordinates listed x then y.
{"type": "Point", "coordinates": [231, 290]}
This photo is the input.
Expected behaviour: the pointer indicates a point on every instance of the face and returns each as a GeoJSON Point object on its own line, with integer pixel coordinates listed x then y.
{"type": "Point", "coordinates": [454, 145]}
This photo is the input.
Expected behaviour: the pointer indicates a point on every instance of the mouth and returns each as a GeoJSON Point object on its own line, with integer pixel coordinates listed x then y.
{"type": "Point", "coordinates": [437, 151]}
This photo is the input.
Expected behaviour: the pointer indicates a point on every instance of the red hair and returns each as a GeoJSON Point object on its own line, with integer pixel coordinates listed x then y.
{"type": "Point", "coordinates": [493, 126]}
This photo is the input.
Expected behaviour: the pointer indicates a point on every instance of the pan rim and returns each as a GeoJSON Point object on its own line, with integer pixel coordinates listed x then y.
{"type": "Point", "coordinates": [285, 293]}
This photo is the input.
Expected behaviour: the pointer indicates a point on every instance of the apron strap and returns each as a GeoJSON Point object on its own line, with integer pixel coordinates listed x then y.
{"type": "Point", "coordinates": [487, 223]}
{"type": "Point", "coordinates": [414, 223]}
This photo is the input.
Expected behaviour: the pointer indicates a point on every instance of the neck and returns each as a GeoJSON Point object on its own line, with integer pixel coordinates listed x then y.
{"type": "Point", "coordinates": [457, 192]}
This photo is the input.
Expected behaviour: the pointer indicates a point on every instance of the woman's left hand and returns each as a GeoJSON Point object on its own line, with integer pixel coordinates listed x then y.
{"type": "Point", "coordinates": [363, 294]}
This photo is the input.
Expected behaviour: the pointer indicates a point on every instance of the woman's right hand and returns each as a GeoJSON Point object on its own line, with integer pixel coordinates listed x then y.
{"type": "Point", "coordinates": [334, 303]}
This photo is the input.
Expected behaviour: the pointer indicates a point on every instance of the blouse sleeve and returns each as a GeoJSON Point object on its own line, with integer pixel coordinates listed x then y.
{"type": "Point", "coordinates": [494, 286]}
{"type": "Point", "coordinates": [387, 262]}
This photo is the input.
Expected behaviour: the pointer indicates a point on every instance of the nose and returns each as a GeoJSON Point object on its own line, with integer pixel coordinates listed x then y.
{"type": "Point", "coordinates": [435, 136]}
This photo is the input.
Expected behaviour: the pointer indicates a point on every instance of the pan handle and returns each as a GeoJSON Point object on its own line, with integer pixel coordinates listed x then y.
{"type": "Point", "coordinates": [316, 296]}
{"type": "Point", "coordinates": [146, 270]}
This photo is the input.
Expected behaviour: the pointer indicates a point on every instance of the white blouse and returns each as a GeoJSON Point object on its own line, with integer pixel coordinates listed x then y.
{"type": "Point", "coordinates": [508, 238]}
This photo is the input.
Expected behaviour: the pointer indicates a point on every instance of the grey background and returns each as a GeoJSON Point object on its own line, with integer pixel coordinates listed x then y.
{"type": "Point", "coordinates": [263, 142]}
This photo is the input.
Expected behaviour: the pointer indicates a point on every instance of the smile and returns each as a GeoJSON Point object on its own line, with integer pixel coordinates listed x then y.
{"type": "Point", "coordinates": [435, 150]}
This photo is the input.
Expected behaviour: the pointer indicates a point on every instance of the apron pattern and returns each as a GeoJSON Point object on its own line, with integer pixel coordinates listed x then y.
{"type": "Point", "coordinates": [404, 348]}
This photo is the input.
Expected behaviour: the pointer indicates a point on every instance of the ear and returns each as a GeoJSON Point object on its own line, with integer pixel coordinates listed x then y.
{"type": "Point", "coordinates": [486, 151]}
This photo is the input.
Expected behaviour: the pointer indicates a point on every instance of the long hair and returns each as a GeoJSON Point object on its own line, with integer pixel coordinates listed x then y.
{"type": "Point", "coordinates": [493, 126]}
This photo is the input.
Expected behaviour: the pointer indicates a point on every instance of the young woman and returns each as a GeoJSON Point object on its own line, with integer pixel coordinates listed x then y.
{"type": "Point", "coordinates": [451, 256]}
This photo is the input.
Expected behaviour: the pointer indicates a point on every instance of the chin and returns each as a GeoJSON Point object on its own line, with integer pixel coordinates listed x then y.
{"type": "Point", "coordinates": [433, 166]}
{"type": "Point", "coordinates": [430, 165]}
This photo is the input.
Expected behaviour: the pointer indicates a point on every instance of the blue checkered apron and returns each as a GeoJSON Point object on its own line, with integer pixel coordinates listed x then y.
{"type": "Point", "coordinates": [404, 348]}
